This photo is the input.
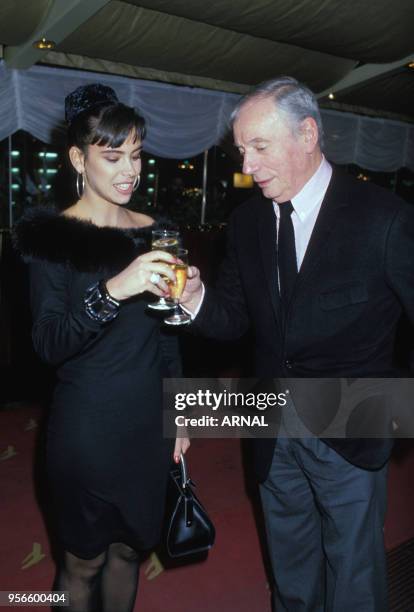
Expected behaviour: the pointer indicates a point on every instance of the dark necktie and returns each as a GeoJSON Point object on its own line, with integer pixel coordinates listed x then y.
{"type": "Point", "coordinates": [286, 253]}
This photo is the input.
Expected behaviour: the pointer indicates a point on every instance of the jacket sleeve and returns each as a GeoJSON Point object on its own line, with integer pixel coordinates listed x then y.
{"type": "Point", "coordinates": [170, 352]}
{"type": "Point", "coordinates": [223, 314]}
{"type": "Point", "coordinates": [60, 329]}
{"type": "Point", "coordinates": [399, 258]}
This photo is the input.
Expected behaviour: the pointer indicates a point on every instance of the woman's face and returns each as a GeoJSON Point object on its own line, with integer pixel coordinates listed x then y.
{"type": "Point", "coordinates": [109, 173]}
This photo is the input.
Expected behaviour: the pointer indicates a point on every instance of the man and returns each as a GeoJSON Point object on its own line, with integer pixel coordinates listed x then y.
{"type": "Point", "coordinates": [320, 267]}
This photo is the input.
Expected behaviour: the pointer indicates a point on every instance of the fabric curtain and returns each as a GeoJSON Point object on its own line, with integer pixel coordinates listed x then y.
{"type": "Point", "coordinates": [184, 121]}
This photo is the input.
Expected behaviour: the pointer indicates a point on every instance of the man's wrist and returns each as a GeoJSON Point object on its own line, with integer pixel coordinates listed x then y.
{"type": "Point", "coordinates": [192, 307]}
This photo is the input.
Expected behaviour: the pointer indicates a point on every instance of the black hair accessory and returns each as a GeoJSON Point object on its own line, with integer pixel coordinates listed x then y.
{"type": "Point", "coordinates": [86, 97]}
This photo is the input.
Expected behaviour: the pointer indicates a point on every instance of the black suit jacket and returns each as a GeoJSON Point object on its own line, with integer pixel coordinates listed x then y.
{"type": "Point", "coordinates": [356, 279]}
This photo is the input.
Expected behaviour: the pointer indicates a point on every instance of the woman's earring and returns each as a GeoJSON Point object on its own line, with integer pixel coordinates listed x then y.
{"type": "Point", "coordinates": [136, 183]}
{"type": "Point", "coordinates": [80, 188]}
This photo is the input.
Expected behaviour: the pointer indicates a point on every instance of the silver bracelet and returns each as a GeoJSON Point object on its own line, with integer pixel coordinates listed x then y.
{"type": "Point", "coordinates": [99, 304]}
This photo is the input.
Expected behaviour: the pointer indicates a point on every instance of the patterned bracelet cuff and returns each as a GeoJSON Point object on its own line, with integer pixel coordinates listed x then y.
{"type": "Point", "coordinates": [99, 304]}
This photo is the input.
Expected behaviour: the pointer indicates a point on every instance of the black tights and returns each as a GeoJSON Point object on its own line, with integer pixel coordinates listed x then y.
{"type": "Point", "coordinates": [107, 583]}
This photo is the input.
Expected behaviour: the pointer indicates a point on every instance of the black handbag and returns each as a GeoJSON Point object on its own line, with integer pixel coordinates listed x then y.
{"type": "Point", "coordinates": [189, 529]}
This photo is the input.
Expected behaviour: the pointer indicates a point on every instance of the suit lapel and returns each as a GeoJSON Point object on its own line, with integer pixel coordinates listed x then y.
{"type": "Point", "coordinates": [335, 198]}
{"type": "Point", "coordinates": [268, 250]}
{"type": "Point", "coordinates": [326, 221]}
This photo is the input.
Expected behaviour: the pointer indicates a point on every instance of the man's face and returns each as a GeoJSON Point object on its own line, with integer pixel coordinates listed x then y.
{"type": "Point", "coordinates": [279, 160]}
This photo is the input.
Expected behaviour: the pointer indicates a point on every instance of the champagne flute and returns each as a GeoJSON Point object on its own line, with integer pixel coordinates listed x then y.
{"type": "Point", "coordinates": [176, 289]}
{"type": "Point", "coordinates": [168, 241]}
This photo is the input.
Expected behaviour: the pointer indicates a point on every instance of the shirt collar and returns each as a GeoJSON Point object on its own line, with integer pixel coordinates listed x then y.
{"type": "Point", "coordinates": [312, 193]}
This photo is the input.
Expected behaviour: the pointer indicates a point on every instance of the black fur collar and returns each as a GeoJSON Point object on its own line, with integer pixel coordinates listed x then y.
{"type": "Point", "coordinates": [44, 234]}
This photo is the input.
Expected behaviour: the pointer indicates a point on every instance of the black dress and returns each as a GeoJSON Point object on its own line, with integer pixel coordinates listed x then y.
{"type": "Point", "coordinates": [107, 459]}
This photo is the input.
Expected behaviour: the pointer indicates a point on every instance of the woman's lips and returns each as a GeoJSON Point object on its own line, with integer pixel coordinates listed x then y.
{"type": "Point", "coordinates": [124, 188]}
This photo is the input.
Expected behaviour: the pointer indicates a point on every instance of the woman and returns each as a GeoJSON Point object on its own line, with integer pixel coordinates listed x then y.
{"type": "Point", "coordinates": [90, 269]}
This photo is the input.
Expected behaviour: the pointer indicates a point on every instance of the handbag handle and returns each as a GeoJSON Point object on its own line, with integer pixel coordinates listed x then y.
{"type": "Point", "coordinates": [185, 480]}
{"type": "Point", "coordinates": [187, 495]}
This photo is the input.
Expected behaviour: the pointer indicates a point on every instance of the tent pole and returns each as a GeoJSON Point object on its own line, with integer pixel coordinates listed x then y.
{"type": "Point", "coordinates": [10, 182]}
{"type": "Point", "coordinates": [156, 184]}
{"type": "Point", "coordinates": [204, 198]}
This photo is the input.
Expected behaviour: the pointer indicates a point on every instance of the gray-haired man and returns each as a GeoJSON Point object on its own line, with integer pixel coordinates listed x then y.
{"type": "Point", "coordinates": [320, 268]}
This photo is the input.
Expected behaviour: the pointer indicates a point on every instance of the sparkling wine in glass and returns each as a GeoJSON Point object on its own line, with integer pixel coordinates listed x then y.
{"type": "Point", "coordinates": [176, 289]}
{"type": "Point", "coordinates": [168, 241]}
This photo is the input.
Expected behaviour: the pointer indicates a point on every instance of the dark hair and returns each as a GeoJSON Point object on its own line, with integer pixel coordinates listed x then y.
{"type": "Point", "coordinates": [107, 124]}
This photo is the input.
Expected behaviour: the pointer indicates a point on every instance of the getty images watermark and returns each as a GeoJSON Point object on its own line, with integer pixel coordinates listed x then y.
{"type": "Point", "coordinates": [224, 402]}
{"type": "Point", "coordinates": [265, 408]}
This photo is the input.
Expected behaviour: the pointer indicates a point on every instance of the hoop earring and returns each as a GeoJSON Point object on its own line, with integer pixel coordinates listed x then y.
{"type": "Point", "coordinates": [136, 183]}
{"type": "Point", "coordinates": [80, 188]}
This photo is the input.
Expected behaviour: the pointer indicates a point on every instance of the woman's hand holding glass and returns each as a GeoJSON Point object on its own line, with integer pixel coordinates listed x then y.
{"type": "Point", "coordinates": [145, 273]}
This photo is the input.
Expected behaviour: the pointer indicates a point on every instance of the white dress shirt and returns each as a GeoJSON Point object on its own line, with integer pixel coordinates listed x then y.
{"type": "Point", "coordinates": [306, 205]}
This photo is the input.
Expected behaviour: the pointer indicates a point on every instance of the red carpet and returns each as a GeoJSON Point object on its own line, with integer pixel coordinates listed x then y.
{"type": "Point", "coordinates": [231, 579]}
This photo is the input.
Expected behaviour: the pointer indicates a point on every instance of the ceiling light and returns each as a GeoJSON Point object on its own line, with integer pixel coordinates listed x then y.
{"type": "Point", "coordinates": [331, 96]}
{"type": "Point", "coordinates": [44, 44]}
{"type": "Point", "coordinates": [411, 65]}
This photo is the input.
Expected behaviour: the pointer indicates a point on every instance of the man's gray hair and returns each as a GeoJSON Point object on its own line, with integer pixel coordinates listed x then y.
{"type": "Point", "coordinates": [293, 99]}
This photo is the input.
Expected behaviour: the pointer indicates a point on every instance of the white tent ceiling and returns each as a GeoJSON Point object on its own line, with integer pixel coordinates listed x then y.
{"type": "Point", "coordinates": [358, 49]}
{"type": "Point", "coordinates": [197, 57]}
{"type": "Point", "coordinates": [184, 121]}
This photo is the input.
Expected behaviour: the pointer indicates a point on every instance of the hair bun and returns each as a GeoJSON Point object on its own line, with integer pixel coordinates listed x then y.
{"type": "Point", "coordinates": [86, 97]}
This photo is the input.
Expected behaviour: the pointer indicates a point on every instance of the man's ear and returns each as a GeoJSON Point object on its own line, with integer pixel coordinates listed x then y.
{"type": "Point", "coordinates": [77, 159]}
{"type": "Point", "coordinates": [310, 134]}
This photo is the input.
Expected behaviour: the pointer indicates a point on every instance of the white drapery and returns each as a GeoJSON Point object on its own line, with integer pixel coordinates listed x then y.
{"type": "Point", "coordinates": [184, 121]}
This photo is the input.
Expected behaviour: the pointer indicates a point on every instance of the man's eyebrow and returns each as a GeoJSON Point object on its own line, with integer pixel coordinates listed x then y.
{"type": "Point", "coordinates": [254, 141]}
{"type": "Point", "coordinates": [258, 139]}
